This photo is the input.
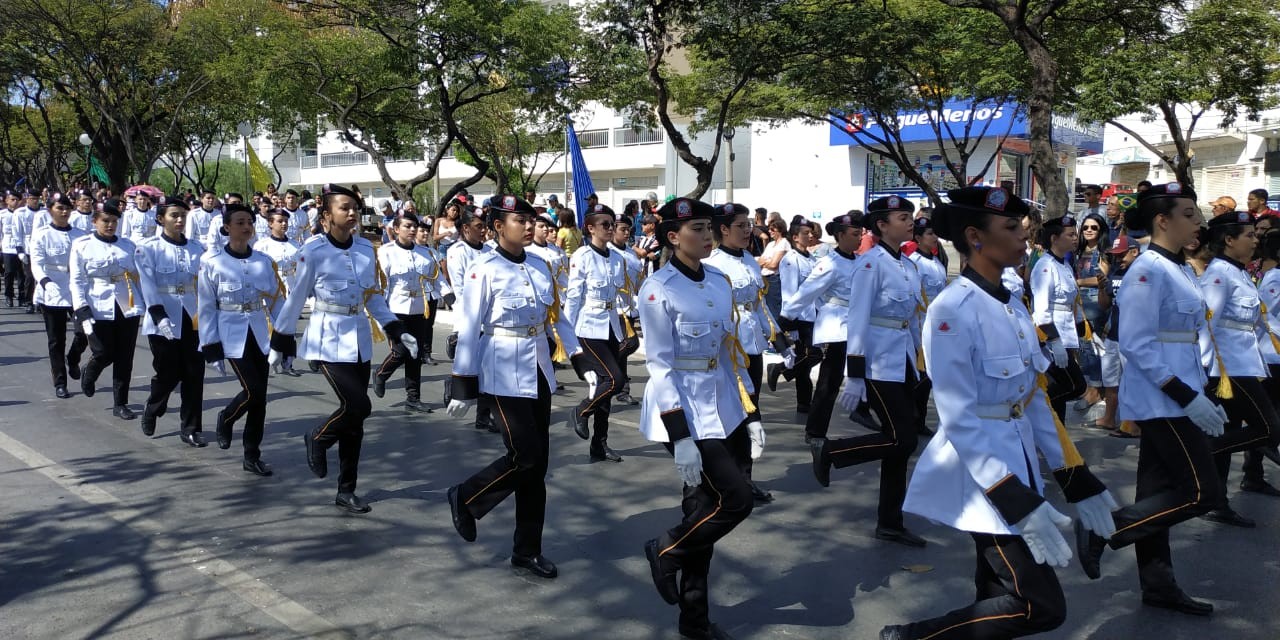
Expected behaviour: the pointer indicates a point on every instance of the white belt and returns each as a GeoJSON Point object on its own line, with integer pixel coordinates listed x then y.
{"type": "Point", "coordinates": [599, 304]}
{"type": "Point", "coordinates": [746, 306]}
{"type": "Point", "coordinates": [1188, 337]}
{"type": "Point", "coordinates": [247, 307]}
{"type": "Point", "coordinates": [112, 279]}
{"type": "Point", "coordinates": [514, 332]}
{"type": "Point", "coordinates": [179, 289]}
{"type": "Point", "coordinates": [337, 309]}
{"type": "Point", "coordinates": [1237, 325]}
{"type": "Point", "coordinates": [1002, 411]}
{"type": "Point", "coordinates": [58, 267]}
{"type": "Point", "coordinates": [836, 300]}
{"type": "Point", "coordinates": [889, 323]}
{"type": "Point", "coordinates": [695, 364]}
{"type": "Point", "coordinates": [408, 293]}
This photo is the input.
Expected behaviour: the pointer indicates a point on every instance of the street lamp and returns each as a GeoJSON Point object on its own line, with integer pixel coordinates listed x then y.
{"type": "Point", "coordinates": [728, 161]}
{"type": "Point", "coordinates": [244, 129]}
{"type": "Point", "coordinates": [85, 141]}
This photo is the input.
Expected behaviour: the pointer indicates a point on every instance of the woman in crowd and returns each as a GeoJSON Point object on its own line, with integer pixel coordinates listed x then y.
{"type": "Point", "coordinates": [1090, 269]}
{"type": "Point", "coordinates": [797, 315]}
{"type": "Point", "coordinates": [769, 261]}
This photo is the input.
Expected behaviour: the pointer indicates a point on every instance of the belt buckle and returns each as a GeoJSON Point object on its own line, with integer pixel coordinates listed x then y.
{"type": "Point", "coordinates": [533, 331]}
{"type": "Point", "coordinates": [711, 364]}
{"type": "Point", "coordinates": [1015, 411]}
{"type": "Point", "coordinates": [905, 323]}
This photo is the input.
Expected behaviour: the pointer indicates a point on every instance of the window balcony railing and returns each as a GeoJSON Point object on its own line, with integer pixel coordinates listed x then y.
{"type": "Point", "coordinates": [344, 159]}
{"type": "Point", "coordinates": [628, 137]}
{"type": "Point", "coordinates": [594, 139]}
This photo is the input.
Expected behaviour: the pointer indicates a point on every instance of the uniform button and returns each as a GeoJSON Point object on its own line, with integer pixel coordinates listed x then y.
{"type": "Point", "coordinates": [710, 304]}
{"type": "Point", "coordinates": [1021, 389]}
{"type": "Point", "coordinates": [1026, 361]}
{"type": "Point", "coordinates": [699, 285]}
{"type": "Point", "coordinates": [1004, 372]}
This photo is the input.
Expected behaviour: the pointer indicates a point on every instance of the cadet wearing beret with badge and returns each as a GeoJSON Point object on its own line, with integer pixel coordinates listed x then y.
{"type": "Point", "coordinates": [627, 301]}
{"type": "Point", "coordinates": [410, 276]}
{"type": "Point", "coordinates": [1056, 309]}
{"type": "Point", "coordinates": [933, 277]}
{"type": "Point", "coordinates": [50, 253]}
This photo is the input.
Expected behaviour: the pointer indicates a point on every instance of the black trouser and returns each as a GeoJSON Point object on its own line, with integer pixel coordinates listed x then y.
{"type": "Point", "coordinates": [112, 345]}
{"type": "Point", "coordinates": [1253, 457]}
{"type": "Point", "coordinates": [1016, 596]}
{"type": "Point", "coordinates": [711, 510]}
{"type": "Point", "coordinates": [428, 330]}
{"type": "Point", "coordinates": [416, 326]}
{"type": "Point", "coordinates": [251, 370]}
{"type": "Point", "coordinates": [892, 445]}
{"type": "Point", "coordinates": [345, 426]}
{"type": "Point", "coordinates": [924, 386]}
{"type": "Point", "coordinates": [1250, 410]}
{"type": "Point", "coordinates": [29, 290]}
{"type": "Point", "coordinates": [1177, 481]}
{"type": "Point", "coordinates": [14, 274]}
{"type": "Point", "coordinates": [600, 357]}
{"type": "Point", "coordinates": [177, 362]}
{"type": "Point", "coordinates": [524, 424]}
{"type": "Point", "coordinates": [830, 377]}
{"type": "Point", "coordinates": [808, 356]}
{"type": "Point", "coordinates": [1065, 384]}
{"type": "Point", "coordinates": [55, 327]}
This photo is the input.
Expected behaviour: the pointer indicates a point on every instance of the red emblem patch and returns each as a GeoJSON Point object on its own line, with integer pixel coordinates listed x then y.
{"type": "Point", "coordinates": [944, 327]}
{"type": "Point", "coordinates": [473, 276]}
{"type": "Point", "coordinates": [651, 298]}
{"type": "Point", "coordinates": [868, 265]}
{"type": "Point", "coordinates": [1142, 279]}
{"type": "Point", "coordinates": [1217, 281]}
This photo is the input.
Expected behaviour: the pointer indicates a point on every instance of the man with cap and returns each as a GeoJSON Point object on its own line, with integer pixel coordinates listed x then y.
{"type": "Point", "coordinates": [299, 221]}
{"type": "Point", "coordinates": [50, 266]}
{"type": "Point", "coordinates": [1123, 251]}
{"type": "Point", "coordinates": [882, 354]}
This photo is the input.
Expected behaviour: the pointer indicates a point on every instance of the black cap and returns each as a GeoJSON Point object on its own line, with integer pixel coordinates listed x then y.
{"type": "Point", "coordinates": [1139, 217]}
{"type": "Point", "coordinates": [852, 219]}
{"type": "Point", "coordinates": [730, 210]}
{"type": "Point", "coordinates": [339, 190]}
{"type": "Point", "coordinates": [1228, 223]}
{"type": "Point", "coordinates": [172, 201]}
{"type": "Point", "coordinates": [1056, 225]}
{"type": "Point", "coordinates": [621, 219]}
{"type": "Point", "coordinates": [59, 198]}
{"type": "Point", "coordinates": [111, 206]}
{"type": "Point", "coordinates": [682, 209]}
{"type": "Point", "coordinates": [922, 224]}
{"type": "Point", "coordinates": [234, 207]}
{"type": "Point", "coordinates": [890, 203]}
{"type": "Point", "coordinates": [512, 204]}
{"type": "Point", "coordinates": [598, 209]}
{"type": "Point", "coordinates": [967, 203]}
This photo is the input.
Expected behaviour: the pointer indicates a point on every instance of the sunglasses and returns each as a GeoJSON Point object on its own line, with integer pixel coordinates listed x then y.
{"type": "Point", "coordinates": [1092, 227]}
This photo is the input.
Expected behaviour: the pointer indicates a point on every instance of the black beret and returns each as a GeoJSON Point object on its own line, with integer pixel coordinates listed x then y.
{"type": "Point", "coordinates": [59, 198]}
{"type": "Point", "coordinates": [172, 201]}
{"type": "Point", "coordinates": [1230, 219]}
{"type": "Point", "coordinates": [111, 206]}
{"type": "Point", "coordinates": [234, 207]}
{"type": "Point", "coordinates": [598, 209]}
{"type": "Point", "coordinates": [967, 203]}
{"type": "Point", "coordinates": [1139, 217]}
{"type": "Point", "coordinates": [923, 224]}
{"type": "Point", "coordinates": [339, 190]}
{"type": "Point", "coordinates": [512, 204]}
{"type": "Point", "coordinates": [853, 219]}
{"type": "Point", "coordinates": [890, 203]}
{"type": "Point", "coordinates": [622, 219]}
{"type": "Point", "coordinates": [730, 210]}
{"type": "Point", "coordinates": [1056, 225]}
{"type": "Point", "coordinates": [682, 209]}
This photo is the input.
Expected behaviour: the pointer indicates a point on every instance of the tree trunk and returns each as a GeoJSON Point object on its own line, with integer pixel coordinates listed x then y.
{"type": "Point", "coordinates": [1044, 161]}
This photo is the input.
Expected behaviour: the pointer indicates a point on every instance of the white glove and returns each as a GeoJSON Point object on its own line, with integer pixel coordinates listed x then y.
{"type": "Point", "coordinates": [852, 393]}
{"type": "Point", "coordinates": [410, 344]}
{"type": "Point", "coordinates": [789, 357]}
{"type": "Point", "coordinates": [1209, 417]}
{"type": "Point", "coordinates": [25, 258]}
{"type": "Point", "coordinates": [689, 461]}
{"type": "Point", "coordinates": [459, 408]}
{"type": "Point", "coordinates": [218, 366]}
{"type": "Point", "coordinates": [87, 325]}
{"type": "Point", "coordinates": [1058, 352]}
{"type": "Point", "coordinates": [1095, 514]}
{"type": "Point", "coordinates": [1041, 531]}
{"type": "Point", "coordinates": [755, 431]}
{"type": "Point", "coordinates": [592, 380]}
{"type": "Point", "coordinates": [274, 359]}
{"type": "Point", "coordinates": [165, 327]}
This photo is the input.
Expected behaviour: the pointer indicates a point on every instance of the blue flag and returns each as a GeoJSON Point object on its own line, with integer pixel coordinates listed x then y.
{"type": "Point", "coordinates": [582, 186]}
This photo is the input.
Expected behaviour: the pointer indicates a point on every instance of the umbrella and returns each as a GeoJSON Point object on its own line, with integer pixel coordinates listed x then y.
{"type": "Point", "coordinates": [143, 188]}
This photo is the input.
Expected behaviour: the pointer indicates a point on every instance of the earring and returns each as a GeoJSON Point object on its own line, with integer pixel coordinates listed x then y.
{"type": "Point", "coordinates": [977, 246]}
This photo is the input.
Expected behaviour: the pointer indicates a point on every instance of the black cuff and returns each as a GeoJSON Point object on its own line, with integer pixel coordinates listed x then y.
{"type": "Point", "coordinates": [43, 281]}
{"type": "Point", "coordinates": [1050, 331]}
{"type": "Point", "coordinates": [465, 388]}
{"type": "Point", "coordinates": [1013, 499]}
{"type": "Point", "coordinates": [787, 324]}
{"type": "Point", "coordinates": [393, 330]}
{"type": "Point", "coordinates": [754, 416]}
{"type": "Point", "coordinates": [285, 344]}
{"type": "Point", "coordinates": [855, 367]}
{"type": "Point", "coordinates": [157, 313]}
{"type": "Point", "coordinates": [1078, 483]}
{"type": "Point", "coordinates": [1179, 392]}
{"type": "Point", "coordinates": [213, 352]}
{"type": "Point", "coordinates": [83, 313]}
{"type": "Point", "coordinates": [1080, 329]}
{"type": "Point", "coordinates": [677, 425]}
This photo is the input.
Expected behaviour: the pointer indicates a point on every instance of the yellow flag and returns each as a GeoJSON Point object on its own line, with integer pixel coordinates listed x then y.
{"type": "Point", "coordinates": [258, 174]}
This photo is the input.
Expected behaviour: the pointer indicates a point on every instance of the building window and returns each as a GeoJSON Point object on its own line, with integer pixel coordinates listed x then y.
{"type": "Point", "coordinates": [308, 159]}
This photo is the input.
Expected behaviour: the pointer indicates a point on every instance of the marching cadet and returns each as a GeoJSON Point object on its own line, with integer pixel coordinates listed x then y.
{"type": "Point", "coordinates": [201, 217]}
{"type": "Point", "coordinates": [694, 403]}
{"type": "Point", "coordinates": [298, 223]}
{"type": "Point", "coordinates": [277, 245]}
{"type": "Point", "coordinates": [933, 277]}
{"type": "Point", "coordinates": [881, 362]}
{"type": "Point", "coordinates": [732, 229]}
{"type": "Point", "coordinates": [1055, 306]}
{"type": "Point", "coordinates": [1162, 309]}
{"type": "Point", "coordinates": [167, 268]}
{"type": "Point", "coordinates": [1269, 293]}
{"type": "Point", "coordinates": [458, 261]}
{"type": "Point", "coordinates": [596, 275]}
{"type": "Point", "coordinates": [1230, 349]}
{"type": "Point", "coordinates": [827, 287]}
{"type": "Point", "coordinates": [793, 270]}
{"type": "Point", "coordinates": [509, 305]}
{"type": "Point", "coordinates": [82, 217]}
{"type": "Point", "coordinates": [341, 271]}
{"type": "Point", "coordinates": [553, 255]}
{"type": "Point", "coordinates": [108, 304]}
{"type": "Point", "coordinates": [239, 289]}
{"type": "Point", "coordinates": [409, 275]}
{"type": "Point", "coordinates": [977, 475]}
{"type": "Point", "coordinates": [50, 266]}
{"type": "Point", "coordinates": [12, 237]}
{"type": "Point", "coordinates": [139, 223]}
{"type": "Point", "coordinates": [26, 215]}
{"type": "Point", "coordinates": [627, 309]}
{"type": "Point", "coordinates": [437, 291]}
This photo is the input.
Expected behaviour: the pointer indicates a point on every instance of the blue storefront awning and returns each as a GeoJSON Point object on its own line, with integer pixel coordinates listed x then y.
{"type": "Point", "coordinates": [916, 126]}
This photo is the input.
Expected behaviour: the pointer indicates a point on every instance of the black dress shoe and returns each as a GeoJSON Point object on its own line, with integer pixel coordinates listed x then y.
{"type": "Point", "coordinates": [73, 370]}
{"type": "Point", "coordinates": [316, 459]}
{"type": "Point", "coordinates": [416, 406]}
{"type": "Point", "coordinates": [1259, 486]}
{"type": "Point", "coordinates": [463, 522]}
{"type": "Point", "coordinates": [193, 439]}
{"type": "Point", "coordinates": [663, 571]}
{"type": "Point", "coordinates": [148, 425]}
{"type": "Point", "coordinates": [1229, 517]}
{"type": "Point", "coordinates": [893, 632]}
{"type": "Point", "coordinates": [865, 420]}
{"type": "Point", "coordinates": [760, 495]}
{"type": "Point", "coordinates": [486, 424]}
{"type": "Point", "coordinates": [87, 386]}
{"type": "Point", "coordinates": [123, 412]}
{"type": "Point", "coordinates": [537, 565]}
{"type": "Point", "coordinates": [605, 454]}
{"type": "Point", "coordinates": [1089, 546]}
{"type": "Point", "coordinates": [60, 391]}
{"type": "Point", "coordinates": [775, 370]}
{"type": "Point", "coordinates": [352, 502]}
{"type": "Point", "coordinates": [222, 430]}
{"type": "Point", "coordinates": [257, 468]}
{"type": "Point", "coordinates": [379, 386]}
{"type": "Point", "coordinates": [821, 461]}
{"type": "Point", "coordinates": [579, 423]}
{"type": "Point", "coordinates": [314, 366]}
{"type": "Point", "coordinates": [900, 536]}
{"type": "Point", "coordinates": [710, 632]}
{"type": "Point", "coordinates": [1177, 601]}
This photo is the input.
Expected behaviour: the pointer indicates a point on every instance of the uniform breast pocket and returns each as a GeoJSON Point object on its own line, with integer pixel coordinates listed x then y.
{"type": "Point", "coordinates": [334, 285]}
{"type": "Point", "coordinates": [1244, 308]}
{"type": "Point", "coordinates": [894, 299]}
{"type": "Point", "coordinates": [229, 291]}
{"type": "Point", "coordinates": [511, 310]}
{"type": "Point", "coordinates": [694, 338]}
{"type": "Point", "coordinates": [1003, 367]}
{"type": "Point", "coordinates": [1189, 313]}
{"type": "Point", "coordinates": [98, 266]}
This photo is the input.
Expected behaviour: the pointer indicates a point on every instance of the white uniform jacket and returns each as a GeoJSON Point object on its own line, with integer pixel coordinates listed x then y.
{"type": "Point", "coordinates": [104, 275]}
{"type": "Point", "coordinates": [984, 359]}
{"type": "Point", "coordinates": [1012, 281]}
{"type": "Point", "coordinates": [51, 265]}
{"type": "Point", "coordinates": [299, 225]}
{"type": "Point", "coordinates": [755, 325]}
{"type": "Point", "coordinates": [82, 221]}
{"type": "Point", "coordinates": [410, 275]}
{"type": "Point", "coordinates": [1054, 297]}
{"type": "Point", "coordinates": [692, 385]}
{"type": "Point", "coordinates": [1162, 311]}
{"type": "Point", "coordinates": [439, 286]}
{"type": "Point", "coordinates": [344, 282]}
{"type": "Point", "coordinates": [198, 221]}
{"type": "Point", "coordinates": [555, 259]}
{"type": "Point", "coordinates": [591, 299]}
{"type": "Point", "coordinates": [168, 273]}
{"type": "Point", "coordinates": [137, 225]}
{"type": "Point", "coordinates": [793, 270]}
{"type": "Point", "coordinates": [12, 234]}
{"type": "Point", "coordinates": [458, 261]}
{"type": "Point", "coordinates": [26, 220]}
{"type": "Point", "coordinates": [213, 237]}
{"type": "Point", "coordinates": [883, 320]}
{"type": "Point", "coordinates": [1269, 293]}
{"type": "Point", "coordinates": [1236, 323]}
{"type": "Point", "coordinates": [284, 253]}
{"type": "Point", "coordinates": [509, 307]}
{"type": "Point", "coordinates": [632, 269]}
{"type": "Point", "coordinates": [236, 295]}
{"type": "Point", "coordinates": [39, 220]}
{"type": "Point", "coordinates": [827, 287]}
{"type": "Point", "coordinates": [933, 274]}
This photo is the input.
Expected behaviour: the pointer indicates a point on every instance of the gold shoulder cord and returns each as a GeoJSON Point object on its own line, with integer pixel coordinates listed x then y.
{"type": "Point", "coordinates": [195, 321]}
{"type": "Point", "coordinates": [553, 316]}
{"type": "Point", "coordinates": [1088, 328]}
{"type": "Point", "coordinates": [1224, 381]}
{"type": "Point", "coordinates": [920, 310]}
{"type": "Point", "coordinates": [1070, 455]}
{"type": "Point", "coordinates": [1266, 323]}
{"type": "Point", "coordinates": [377, 288]}
{"type": "Point", "coordinates": [275, 297]}
{"type": "Point", "coordinates": [737, 355]}
{"type": "Point", "coordinates": [626, 284]}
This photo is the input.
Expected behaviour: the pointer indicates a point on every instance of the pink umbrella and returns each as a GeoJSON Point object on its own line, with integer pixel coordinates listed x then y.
{"type": "Point", "coordinates": [143, 188]}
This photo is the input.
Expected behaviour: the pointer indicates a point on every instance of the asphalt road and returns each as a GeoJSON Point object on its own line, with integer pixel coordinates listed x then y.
{"type": "Point", "coordinates": [108, 534]}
